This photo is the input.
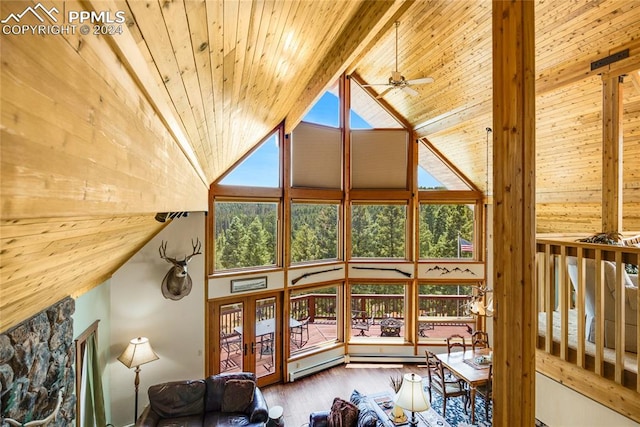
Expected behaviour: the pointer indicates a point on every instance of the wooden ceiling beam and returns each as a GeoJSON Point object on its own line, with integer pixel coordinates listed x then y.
{"type": "Point", "coordinates": [358, 33]}
{"type": "Point", "coordinates": [384, 104]}
{"type": "Point", "coordinates": [572, 71]}
{"type": "Point", "coordinates": [453, 118]}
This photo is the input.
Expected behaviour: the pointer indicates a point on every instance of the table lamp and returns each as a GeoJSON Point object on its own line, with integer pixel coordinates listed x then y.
{"type": "Point", "coordinates": [137, 353]}
{"type": "Point", "coordinates": [411, 396]}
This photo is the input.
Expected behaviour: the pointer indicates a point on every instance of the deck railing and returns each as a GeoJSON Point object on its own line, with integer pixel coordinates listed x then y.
{"type": "Point", "coordinates": [322, 307]}
{"type": "Point", "coordinates": [577, 282]}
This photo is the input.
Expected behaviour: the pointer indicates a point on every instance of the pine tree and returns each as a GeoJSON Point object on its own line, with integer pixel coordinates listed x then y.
{"type": "Point", "coordinates": [305, 245]}
{"type": "Point", "coordinates": [236, 241]}
{"type": "Point", "coordinates": [255, 250]}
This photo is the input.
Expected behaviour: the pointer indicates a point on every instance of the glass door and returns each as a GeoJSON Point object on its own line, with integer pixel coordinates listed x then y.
{"type": "Point", "coordinates": [232, 347]}
{"type": "Point", "coordinates": [267, 334]}
{"type": "Point", "coordinates": [248, 333]}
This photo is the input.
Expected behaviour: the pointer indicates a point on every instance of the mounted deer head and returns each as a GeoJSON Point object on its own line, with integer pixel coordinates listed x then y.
{"type": "Point", "coordinates": [177, 282]}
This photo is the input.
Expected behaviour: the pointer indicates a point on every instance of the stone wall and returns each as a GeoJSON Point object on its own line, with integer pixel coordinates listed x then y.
{"type": "Point", "coordinates": [36, 361]}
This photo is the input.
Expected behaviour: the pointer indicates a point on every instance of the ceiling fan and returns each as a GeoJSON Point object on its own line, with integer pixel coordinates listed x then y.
{"type": "Point", "coordinates": [397, 80]}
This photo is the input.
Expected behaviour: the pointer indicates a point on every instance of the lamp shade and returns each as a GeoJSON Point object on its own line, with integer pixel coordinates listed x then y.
{"type": "Point", "coordinates": [411, 394]}
{"type": "Point", "coordinates": [137, 353]}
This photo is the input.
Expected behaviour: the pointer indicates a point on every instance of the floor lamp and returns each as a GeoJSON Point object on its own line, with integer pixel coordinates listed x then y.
{"type": "Point", "coordinates": [137, 353]}
{"type": "Point", "coordinates": [411, 396]}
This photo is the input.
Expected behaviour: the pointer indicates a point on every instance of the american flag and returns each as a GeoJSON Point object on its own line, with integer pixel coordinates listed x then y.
{"type": "Point", "coordinates": [465, 245]}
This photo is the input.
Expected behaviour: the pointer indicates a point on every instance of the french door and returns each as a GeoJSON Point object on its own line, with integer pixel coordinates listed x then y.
{"type": "Point", "coordinates": [245, 336]}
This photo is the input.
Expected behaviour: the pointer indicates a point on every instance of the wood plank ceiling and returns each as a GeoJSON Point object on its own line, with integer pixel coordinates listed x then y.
{"type": "Point", "coordinates": [235, 69]}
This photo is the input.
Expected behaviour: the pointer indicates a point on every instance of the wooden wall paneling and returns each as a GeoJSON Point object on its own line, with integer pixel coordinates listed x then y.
{"type": "Point", "coordinates": [182, 28]}
{"type": "Point", "coordinates": [49, 259]}
{"type": "Point", "coordinates": [69, 256]}
{"type": "Point", "coordinates": [514, 213]}
{"type": "Point", "coordinates": [254, 120]}
{"type": "Point", "coordinates": [197, 20]}
{"type": "Point", "coordinates": [631, 132]}
{"type": "Point", "coordinates": [52, 107]}
{"type": "Point", "coordinates": [582, 218]}
{"type": "Point", "coordinates": [132, 51]}
{"type": "Point", "coordinates": [612, 154]}
{"type": "Point", "coordinates": [215, 17]}
{"type": "Point", "coordinates": [158, 40]}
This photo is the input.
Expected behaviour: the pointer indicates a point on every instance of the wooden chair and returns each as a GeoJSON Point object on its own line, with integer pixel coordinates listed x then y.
{"type": "Point", "coordinates": [479, 339]}
{"type": "Point", "coordinates": [456, 342]}
{"type": "Point", "coordinates": [486, 391]}
{"type": "Point", "coordinates": [298, 333]}
{"type": "Point", "coordinates": [448, 387]}
{"type": "Point", "coordinates": [432, 364]}
{"type": "Point", "coordinates": [360, 321]}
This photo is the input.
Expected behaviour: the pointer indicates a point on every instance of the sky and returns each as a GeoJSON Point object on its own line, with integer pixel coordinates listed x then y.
{"type": "Point", "coordinates": [261, 168]}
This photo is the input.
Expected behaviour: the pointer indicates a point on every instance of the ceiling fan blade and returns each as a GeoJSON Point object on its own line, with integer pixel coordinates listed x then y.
{"type": "Point", "coordinates": [411, 91]}
{"type": "Point", "coordinates": [376, 84]}
{"type": "Point", "coordinates": [384, 92]}
{"type": "Point", "coordinates": [420, 81]}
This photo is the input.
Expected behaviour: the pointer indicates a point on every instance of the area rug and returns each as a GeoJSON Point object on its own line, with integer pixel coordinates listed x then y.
{"type": "Point", "coordinates": [455, 411]}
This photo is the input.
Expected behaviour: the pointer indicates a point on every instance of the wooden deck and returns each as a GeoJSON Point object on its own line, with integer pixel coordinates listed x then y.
{"type": "Point", "coordinates": [325, 332]}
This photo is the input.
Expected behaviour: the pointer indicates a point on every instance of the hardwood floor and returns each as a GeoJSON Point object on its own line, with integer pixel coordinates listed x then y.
{"type": "Point", "coordinates": [316, 392]}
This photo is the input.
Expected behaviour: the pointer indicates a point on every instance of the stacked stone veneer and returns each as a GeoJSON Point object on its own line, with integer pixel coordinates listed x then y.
{"type": "Point", "coordinates": [36, 360]}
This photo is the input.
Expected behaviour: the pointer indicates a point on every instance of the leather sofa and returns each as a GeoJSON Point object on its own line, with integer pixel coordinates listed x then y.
{"type": "Point", "coordinates": [229, 399]}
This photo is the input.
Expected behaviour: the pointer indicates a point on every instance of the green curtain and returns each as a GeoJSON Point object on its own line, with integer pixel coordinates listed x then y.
{"type": "Point", "coordinates": [93, 410]}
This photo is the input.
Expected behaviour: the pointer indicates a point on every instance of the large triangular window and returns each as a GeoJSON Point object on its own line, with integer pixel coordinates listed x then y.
{"type": "Point", "coordinates": [261, 167]}
{"type": "Point", "coordinates": [436, 174]}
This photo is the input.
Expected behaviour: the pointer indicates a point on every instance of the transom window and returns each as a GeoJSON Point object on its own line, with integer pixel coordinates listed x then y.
{"type": "Point", "coordinates": [314, 231]}
{"type": "Point", "coordinates": [446, 230]}
{"type": "Point", "coordinates": [378, 230]}
{"type": "Point", "coordinates": [245, 234]}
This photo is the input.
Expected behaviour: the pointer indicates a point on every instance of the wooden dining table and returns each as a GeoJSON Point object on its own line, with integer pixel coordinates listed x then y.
{"type": "Point", "coordinates": [462, 365]}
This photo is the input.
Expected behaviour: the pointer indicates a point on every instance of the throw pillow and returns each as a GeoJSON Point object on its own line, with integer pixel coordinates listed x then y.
{"type": "Point", "coordinates": [367, 416]}
{"type": "Point", "coordinates": [238, 395]}
{"type": "Point", "coordinates": [342, 414]}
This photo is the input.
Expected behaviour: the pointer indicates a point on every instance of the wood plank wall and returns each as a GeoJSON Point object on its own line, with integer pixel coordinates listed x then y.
{"type": "Point", "coordinates": [86, 163]}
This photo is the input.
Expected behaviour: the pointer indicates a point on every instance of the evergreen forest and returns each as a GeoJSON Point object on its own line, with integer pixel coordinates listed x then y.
{"type": "Point", "coordinates": [246, 232]}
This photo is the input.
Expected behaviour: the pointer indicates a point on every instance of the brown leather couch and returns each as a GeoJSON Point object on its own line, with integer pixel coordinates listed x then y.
{"type": "Point", "coordinates": [230, 399]}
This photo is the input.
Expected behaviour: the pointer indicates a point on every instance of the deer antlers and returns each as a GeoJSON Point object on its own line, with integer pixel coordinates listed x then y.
{"type": "Point", "coordinates": [196, 250]}
{"type": "Point", "coordinates": [197, 246]}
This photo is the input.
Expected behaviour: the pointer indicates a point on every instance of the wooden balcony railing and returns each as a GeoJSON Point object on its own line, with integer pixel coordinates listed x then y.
{"type": "Point", "coordinates": [588, 319]}
{"type": "Point", "coordinates": [323, 307]}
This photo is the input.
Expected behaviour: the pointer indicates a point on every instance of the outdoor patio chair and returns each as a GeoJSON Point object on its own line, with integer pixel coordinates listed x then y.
{"type": "Point", "coordinates": [229, 343]}
{"type": "Point", "coordinates": [360, 321]}
{"type": "Point", "coordinates": [299, 332]}
{"type": "Point", "coordinates": [456, 342]}
{"type": "Point", "coordinates": [445, 385]}
{"type": "Point", "coordinates": [479, 339]}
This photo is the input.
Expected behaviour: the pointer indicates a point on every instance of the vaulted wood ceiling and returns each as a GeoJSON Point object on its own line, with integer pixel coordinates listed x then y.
{"type": "Point", "coordinates": [101, 132]}
{"type": "Point", "coordinates": [235, 69]}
